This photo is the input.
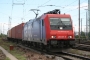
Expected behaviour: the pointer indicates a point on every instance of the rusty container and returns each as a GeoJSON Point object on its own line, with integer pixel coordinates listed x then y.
{"type": "Point", "coordinates": [13, 32]}
{"type": "Point", "coordinates": [11, 47]}
{"type": "Point", "coordinates": [10, 33]}
{"type": "Point", "coordinates": [18, 31]}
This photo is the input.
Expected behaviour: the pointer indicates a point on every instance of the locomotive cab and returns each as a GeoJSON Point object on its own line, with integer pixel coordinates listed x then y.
{"type": "Point", "coordinates": [59, 30]}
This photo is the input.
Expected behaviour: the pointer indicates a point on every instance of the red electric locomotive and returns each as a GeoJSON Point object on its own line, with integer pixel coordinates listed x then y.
{"type": "Point", "coordinates": [51, 30]}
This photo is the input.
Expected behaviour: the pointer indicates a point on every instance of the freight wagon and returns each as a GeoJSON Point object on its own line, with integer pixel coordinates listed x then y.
{"type": "Point", "coordinates": [16, 33]}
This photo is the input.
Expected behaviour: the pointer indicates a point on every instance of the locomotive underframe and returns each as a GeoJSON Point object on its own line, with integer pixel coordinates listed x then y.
{"type": "Point", "coordinates": [61, 43]}
{"type": "Point", "coordinates": [52, 44]}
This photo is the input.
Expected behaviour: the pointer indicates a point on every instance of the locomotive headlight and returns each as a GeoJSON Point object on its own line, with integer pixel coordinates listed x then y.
{"type": "Point", "coordinates": [53, 36]}
{"type": "Point", "coordinates": [69, 36]}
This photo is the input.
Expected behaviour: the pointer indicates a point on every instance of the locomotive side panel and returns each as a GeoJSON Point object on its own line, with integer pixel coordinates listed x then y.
{"type": "Point", "coordinates": [43, 31]}
{"type": "Point", "coordinates": [30, 31]}
{"type": "Point", "coordinates": [25, 32]}
{"type": "Point", "coordinates": [36, 31]}
{"type": "Point", "coordinates": [47, 28]}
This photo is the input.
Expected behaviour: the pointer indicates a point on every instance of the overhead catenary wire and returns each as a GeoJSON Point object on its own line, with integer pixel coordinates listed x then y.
{"type": "Point", "coordinates": [76, 8]}
{"type": "Point", "coordinates": [19, 0]}
{"type": "Point", "coordinates": [22, 4]}
{"type": "Point", "coordinates": [4, 13]}
{"type": "Point", "coordinates": [45, 2]}
{"type": "Point", "coordinates": [71, 3]}
{"type": "Point", "coordinates": [57, 6]}
{"type": "Point", "coordinates": [70, 10]}
{"type": "Point", "coordinates": [23, 12]}
{"type": "Point", "coordinates": [62, 7]}
{"type": "Point", "coordinates": [10, 18]}
{"type": "Point", "coordinates": [74, 2]}
{"type": "Point", "coordinates": [83, 1]}
{"type": "Point", "coordinates": [80, 13]}
{"type": "Point", "coordinates": [50, 0]}
{"type": "Point", "coordinates": [13, 3]}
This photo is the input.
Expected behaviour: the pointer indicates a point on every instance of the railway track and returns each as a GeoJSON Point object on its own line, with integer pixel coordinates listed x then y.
{"type": "Point", "coordinates": [76, 56]}
{"type": "Point", "coordinates": [63, 55]}
{"type": "Point", "coordinates": [82, 47]}
{"type": "Point", "coordinates": [69, 56]}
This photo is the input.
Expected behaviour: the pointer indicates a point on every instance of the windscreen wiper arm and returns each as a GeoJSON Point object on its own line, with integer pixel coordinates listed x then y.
{"type": "Point", "coordinates": [62, 23]}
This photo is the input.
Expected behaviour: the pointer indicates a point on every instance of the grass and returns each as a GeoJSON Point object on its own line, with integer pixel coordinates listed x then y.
{"type": "Point", "coordinates": [7, 58]}
{"type": "Point", "coordinates": [19, 54]}
{"type": "Point", "coordinates": [16, 52]}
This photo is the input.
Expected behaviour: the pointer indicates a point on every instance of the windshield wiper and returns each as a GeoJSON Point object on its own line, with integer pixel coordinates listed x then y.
{"type": "Point", "coordinates": [62, 23]}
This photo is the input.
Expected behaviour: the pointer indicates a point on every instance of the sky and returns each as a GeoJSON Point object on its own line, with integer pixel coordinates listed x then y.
{"type": "Point", "coordinates": [19, 12]}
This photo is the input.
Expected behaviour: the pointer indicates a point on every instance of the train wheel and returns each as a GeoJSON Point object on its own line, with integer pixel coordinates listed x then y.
{"type": "Point", "coordinates": [48, 48]}
{"type": "Point", "coordinates": [42, 47]}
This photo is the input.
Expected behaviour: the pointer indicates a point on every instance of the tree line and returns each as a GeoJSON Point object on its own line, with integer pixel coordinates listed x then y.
{"type": "Point", "coordinates": [83, 35]}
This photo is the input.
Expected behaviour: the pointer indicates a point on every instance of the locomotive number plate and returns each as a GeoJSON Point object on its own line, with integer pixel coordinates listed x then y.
{"type": "Point", "coordinates": [61, 36]}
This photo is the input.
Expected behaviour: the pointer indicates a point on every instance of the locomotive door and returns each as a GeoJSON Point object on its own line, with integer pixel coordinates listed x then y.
{"type": "Point", "coordinates": [41, 30]}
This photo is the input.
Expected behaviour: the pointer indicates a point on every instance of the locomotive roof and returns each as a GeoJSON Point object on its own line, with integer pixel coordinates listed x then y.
{"type": "Point", "coordinates": [53, 15]}
{"type": "Point", "coordinates": [58, 15]}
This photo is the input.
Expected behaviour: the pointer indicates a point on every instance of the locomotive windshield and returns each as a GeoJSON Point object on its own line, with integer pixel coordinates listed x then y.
{"type": "Point", "coordinates": [57, 23]}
